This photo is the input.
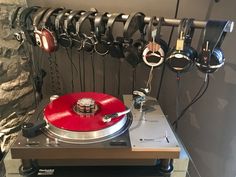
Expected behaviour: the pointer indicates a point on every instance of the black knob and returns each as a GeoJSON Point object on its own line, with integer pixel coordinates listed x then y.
{"type": "Point", "coordinates": [30, 130]}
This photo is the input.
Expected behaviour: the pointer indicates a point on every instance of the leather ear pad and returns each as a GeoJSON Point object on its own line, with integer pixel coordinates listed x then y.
{"type": "Point", "coordinates": [181, 61]}
{"type": "Point", "coordinates": [48, 40]}
{"type": "Point", "coordinates": [216, 61]}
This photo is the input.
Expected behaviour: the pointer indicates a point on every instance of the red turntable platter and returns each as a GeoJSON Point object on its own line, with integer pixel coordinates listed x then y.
{"type": "Point", "coordinates": [61, 114]}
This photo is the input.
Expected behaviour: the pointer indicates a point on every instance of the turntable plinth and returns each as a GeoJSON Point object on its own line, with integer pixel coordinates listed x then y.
{"type": "Point", "coordinates": [148, 137]}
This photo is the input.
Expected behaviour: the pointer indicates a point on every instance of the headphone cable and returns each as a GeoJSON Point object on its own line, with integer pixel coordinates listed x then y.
{"type": "Point", "coordinates": [119, 78]}
{"type": "Point", "coordinates": [93, 70]}
{"type": "Point", "coordinates": [198, 95]}
{"type": "Point", "coordinates": [72, 65]}
{"type": "Point", "coordinates": [169, 41]}
{"type": "Point", "coordinates": [104, 73]}
{"type": "Point", "coordinates": [83, 71]}
{"type": "Point", "coordinates": [177, 99]}
{"type": "Point", "coordinates": [80, 74]}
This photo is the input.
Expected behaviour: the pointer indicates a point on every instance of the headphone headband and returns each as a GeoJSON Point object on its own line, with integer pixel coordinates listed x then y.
{"type": "Point", "coordinates": [134, 22]}
{"type": "Point", "coordinates": [39, 15]}
{"type": "Point", "coordinates": [71, 16]}
{"type": "Point", "coordinates": [188, 31]}
{"type": "Point", "coordinates": [150, 28]}
{"type": "Point", "coordinates": [24, 15]}
{"type": "Point", "coordinates": [81, 21]}
{"type": "Point", "coordinates": [214, 34]}
{"type": "Point", "coordinates": [13, 17]}
{"type": "Point", "coordinates": [48, 14]}
{"type": "Point", "coordinates": [100, 24]}
{"type": "Point", "coordinates": [110, 23]}
{"type": "Point", "coordinates": [59, 19]}
{"type": "Point", "coordinates": [159, 25]}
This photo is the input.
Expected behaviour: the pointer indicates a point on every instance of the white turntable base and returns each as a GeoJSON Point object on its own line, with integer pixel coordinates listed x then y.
{"type": "Point", "coordinates": [150, 130]}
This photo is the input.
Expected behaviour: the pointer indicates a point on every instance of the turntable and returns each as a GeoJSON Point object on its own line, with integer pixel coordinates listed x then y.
{"type": "Point", "coordinates": [90, 128]}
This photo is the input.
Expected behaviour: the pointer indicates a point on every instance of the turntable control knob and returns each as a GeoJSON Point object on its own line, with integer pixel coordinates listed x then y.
{"type": "Point", "coordinates": [86, 106]}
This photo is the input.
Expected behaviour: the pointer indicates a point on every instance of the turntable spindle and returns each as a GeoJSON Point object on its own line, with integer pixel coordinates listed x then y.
{"type": "Point", "coordinates": [85, 106]}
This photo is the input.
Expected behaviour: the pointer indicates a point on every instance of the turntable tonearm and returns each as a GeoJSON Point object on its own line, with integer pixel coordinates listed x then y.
{"type": "Point", "coordinates": [142, 135]}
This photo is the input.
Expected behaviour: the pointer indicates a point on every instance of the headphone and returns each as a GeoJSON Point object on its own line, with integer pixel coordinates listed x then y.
{"type": "Point", "coordinates": [63, 39]}
{"type": "Point", "coordinates": [211, 56]}
{"type": "Point", "coordinates": [155, 51]}
{"type": "Point", "coordinates": [69, 27]}
{"type": "Point", "coordinates": [37, 32]}
{"type": "Point", "coordinates": [13, 17]}
{"type": "Point", "coordinates": [89, 40]}
{"type": "Point", "coordinates": [133, 49]}
{"type": "Point", "coordinates": [182, 57]}
{"type": "Point", "coordinates": [114, 45]}
{"type": "Point", "coordinates": [100, 46]}
{"type": "Point", "coordinates": [14, 21]}
{"type": "Point", "coordinates": [48, 36]}
{"type": "Point", "coordinates": [25, 24]}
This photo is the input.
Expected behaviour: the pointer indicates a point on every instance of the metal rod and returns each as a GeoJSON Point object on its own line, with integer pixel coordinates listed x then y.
{"type": "Point", "coordinates": [176, 22]}
{"type": "Point", "coordinates": [171, 22]}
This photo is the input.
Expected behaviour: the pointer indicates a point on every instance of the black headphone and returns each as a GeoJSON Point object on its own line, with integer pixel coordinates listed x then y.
{"type": "Point", "coordinates": [25, 24]}
{"type": "Point", "coordinates": [66, 27]}
{"type": "Point", "coordinates": [100, 47]}
{"type": "Point", "coordinates": [70, 29]}
{"type": "Point", "coordinates": [133, 49]}
{"type": "Point", "coordinates": [183, 56]}
{"type": "Point", "coordinates": [14, 22]}
{"type": "Point", "coordinates": [13, 17]}
{"type": "Point", "coordinates": [211, 56]}
{"type": "Point", "coordinates": [89, 40]}
{"type": "Point", "coordinates": [155, 51]}
{"type": "Point", "coordinates": [114, 45]}
{"type": "Point", "coordinates": [63, 39]}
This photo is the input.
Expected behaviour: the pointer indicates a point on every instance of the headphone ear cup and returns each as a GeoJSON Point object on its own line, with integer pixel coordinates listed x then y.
{"type": "Point", "coordinates": [101, 48]}
{"type": "Point", "coordinates": [64, 40]}
{"type": "Point", "coordinates": [133, 54]}
{"type": "Point", "coordinates": [139, 46]}
{"type": "Point", "coordinates": [116, 50]}
{"type": "Point", "coordinates": [164, 46]}
{"type": "Point", "coordinates": [192, 54]}
{"type": "Point", "coordinates": [216, 60]}
{"type": "Point", "coordinates": [181, 61]}
{"type": "Point", "coordinates": [49, 40]}
{"type": "Point", "coordinates": [88, 44]}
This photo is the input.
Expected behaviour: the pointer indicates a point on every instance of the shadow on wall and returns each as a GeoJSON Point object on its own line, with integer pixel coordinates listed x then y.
{"type": "Point", "coordinates": [211, 138]}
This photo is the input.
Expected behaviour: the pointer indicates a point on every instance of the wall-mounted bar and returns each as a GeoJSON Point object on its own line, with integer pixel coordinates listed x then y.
{"type": "Point", "coordinates": [176, 22]}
